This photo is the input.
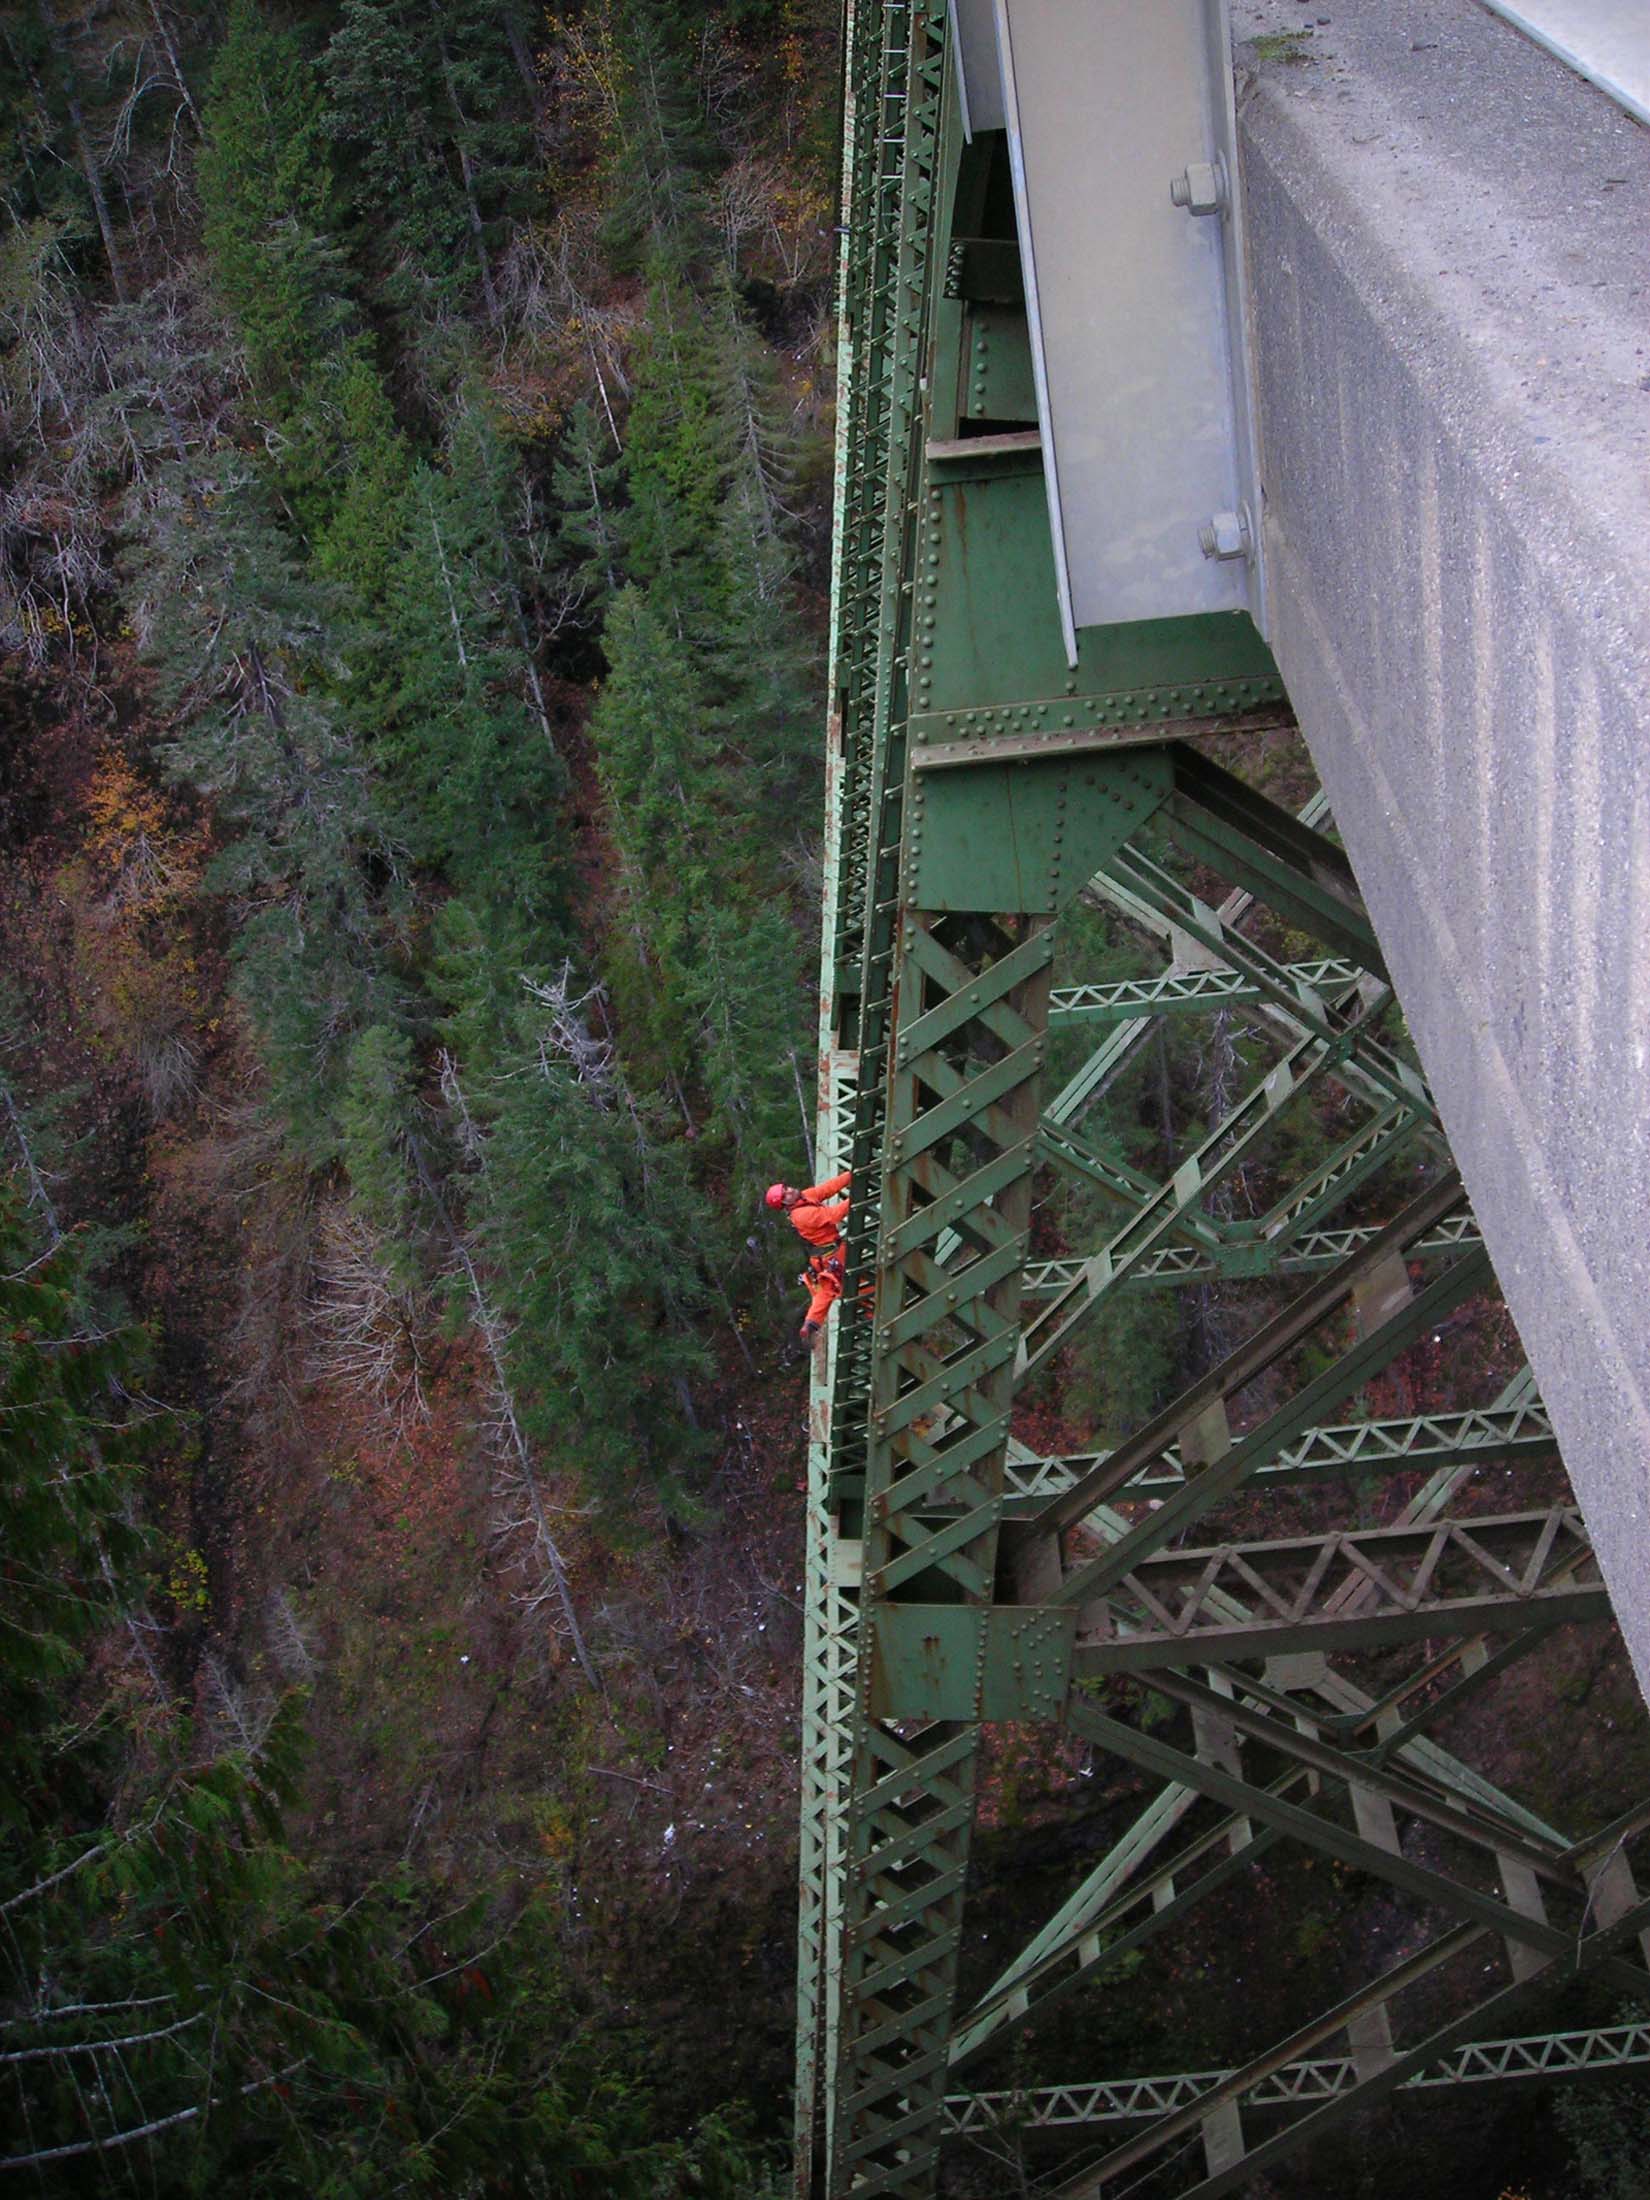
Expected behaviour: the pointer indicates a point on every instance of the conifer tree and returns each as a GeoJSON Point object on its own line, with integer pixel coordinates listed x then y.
{"type": "Point", "coordinates": [660, 147]}
{"type": "Point", "coordinates": [427, 105]}
{"type": "Point", "coordinates": [588, 481]}
{"type": "Point", "coordinates": [244, 640]}
{"type": "Point", "coordinates": [464, 741]}
{"type": "Point", "coordinates": [678, 455]}
{"type": "Point", "coordinates": [707, 968]}
{"type": "Point", "coordinates": [362, 539]}
{"type": "Point", "coordinates": [582, 1212]}
{"type": "Point", "coordinates": [376, 1134]}
{"type": "Point", "coordinates": [268, 201]}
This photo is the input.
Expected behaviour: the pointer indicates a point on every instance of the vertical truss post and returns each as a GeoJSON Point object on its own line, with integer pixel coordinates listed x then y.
{"type": "Point", "coordinates": [962, 1118]}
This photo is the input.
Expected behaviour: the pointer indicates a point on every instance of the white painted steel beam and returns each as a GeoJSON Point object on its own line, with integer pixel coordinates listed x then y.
{"type": "Point", "coordinates": [1121, 137]}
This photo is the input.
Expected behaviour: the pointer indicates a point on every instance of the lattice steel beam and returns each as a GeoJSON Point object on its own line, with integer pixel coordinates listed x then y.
{"type": "Point", "coordinates": [1135, 1895]}
{"type": "Point", "coordinates": [1449, 1577]}
{"type": "Point", "coordinates": [1434, 1888]}
{"type": "Point", "coordinates": [1085, 1931]}
{"type": "Point", "coordinates": [1089, 1083]}
{"type": "Point", "coordinates": [961, 1141]}
{"type": "Point", "coordinates": [1182, 992]}
{"type": "Point", "coordinates": [1139, 887]}
{"type": "Point", "coordinates": [1222, 2134]}
{"type": "Point", "coordinates": [1262, 1351]}
{"type": "Point", "coordinates": [1422, 1440]}
{"type": "Point", "coordinates": [1311, 1254]}
{"type": "Point", "coordinates": [1322, 2078]}
{"type": "Point", "coordinates": [1220, 820]}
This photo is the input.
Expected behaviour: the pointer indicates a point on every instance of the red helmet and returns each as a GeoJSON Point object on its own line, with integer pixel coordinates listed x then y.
{"type": "Point", "coordinates": [775, 1195]}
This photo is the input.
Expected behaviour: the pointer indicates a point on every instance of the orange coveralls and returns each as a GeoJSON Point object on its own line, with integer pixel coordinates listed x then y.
{"type": "Point", "coordinates": [824, 1281]}
{"type": "Point", "coordinates": [816, 1223]}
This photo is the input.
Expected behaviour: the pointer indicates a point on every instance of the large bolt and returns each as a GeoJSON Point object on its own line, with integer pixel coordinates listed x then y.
{"type": "Point", "coordinates": [1227, 535]}
{"type": "Point", "coordinates": [1201, 187]}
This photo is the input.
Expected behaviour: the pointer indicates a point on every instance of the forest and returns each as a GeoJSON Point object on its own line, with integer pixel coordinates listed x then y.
{"type": "Point", "coordinates": [415, 468]}
{"type": "Point", "coordinates": [416, 443]}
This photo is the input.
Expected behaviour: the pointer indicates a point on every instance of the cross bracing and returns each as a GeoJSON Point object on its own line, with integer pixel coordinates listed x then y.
{"type": "Point", "coordinates": [1325, 1557]}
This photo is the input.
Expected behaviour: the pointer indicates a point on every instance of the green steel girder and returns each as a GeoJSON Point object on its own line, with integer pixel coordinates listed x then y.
{"type": "Point", "coordinates": [1120, 1911]}
{"type": "Point", "coordinates": [1079, 1936]}
{"type": "Point", "coordinates": [1268, 1344]}
{"type": "Point", "coordinates": [998, 662]}
{"type": "Point", "coordinates": [1146, 885]}
{"type": "Point", "coordinates": [1273, 1721]}
{"type": "Point", "coordinates": [1327, 1187]}
{"type": "Point", "coordinates": [1435, 1889]}
{"type": "Point", "coordinates": [1127, 1901]}
{"type": "Point", "coordinates": [1172, 1205]}
{"type": "Point", "coordinates": [1447, 1577]}
{"type": "Point", "coordinates": [1025, 834]}
{"type": "Point", "coordinates": [960, 1145]}
{"type": "Point", "coordinates": [1183, 992]}
{"type": "Point", "coordinates": [891, 114]}
{"type": "Point", "coordinates": [1104, 1066]}
{"type": "Point", "coordinates": [1104, 1166]}
{"type": "Point", "coordinates": [1309, 1255]}
{"type": "Point", "coordinates": [1297, 871]}
{"type": "Point", "coordinates": [1321, 2078]}
{"type": "Point", "coordinates": [1218, 1480]}
{"type": "Point", "coordinates": [1239, 2165]}
{"type": "Point", "coordinates": [1516, 1434]}
{"type": "Point", "coordinates": [1140, 889]}
{"type": "Point", "coordinates": [976, 784]}
{"type": "Point", "coordinates": [960, 1661]}
{"type": "Point", "coordinates": [1520, 1432]}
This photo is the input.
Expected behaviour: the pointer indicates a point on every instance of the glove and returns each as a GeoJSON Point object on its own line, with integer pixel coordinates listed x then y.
{"type": "Point", "coordinates": [808, 1332]}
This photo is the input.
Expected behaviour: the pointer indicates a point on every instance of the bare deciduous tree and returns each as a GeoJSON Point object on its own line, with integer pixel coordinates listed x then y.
{"type": "Point", "coordinates": [364, 1324]}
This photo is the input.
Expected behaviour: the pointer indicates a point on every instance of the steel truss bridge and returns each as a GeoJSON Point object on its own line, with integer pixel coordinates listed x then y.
{"type": "Point", "coordinates": [1284, 1605]}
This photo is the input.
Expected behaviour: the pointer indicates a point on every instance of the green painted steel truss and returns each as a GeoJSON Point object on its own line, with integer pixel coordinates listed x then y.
{"type": "Point", "coordinates": [1269, 1622]}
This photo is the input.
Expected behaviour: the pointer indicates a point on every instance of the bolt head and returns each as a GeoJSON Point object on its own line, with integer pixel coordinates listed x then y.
{"type": "Point", "coordinates": [1225, 535]}
{"type": "Point", "coordinates": [1200, 187]}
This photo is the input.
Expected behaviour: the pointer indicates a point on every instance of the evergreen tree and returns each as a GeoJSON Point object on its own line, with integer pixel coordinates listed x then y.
{"type": "Point", "coordinates": [678, 457]}
{"type": "Point", "coordinates": [244, 641]}
{"type": "Point", "coordinates": [360, 544]}
{"type": "Point", "coordinates": [1607, 2125]}
{"type": "Point", "coordinates": [268, 202]}
{"type": "Point", "coordinates": [465, 738]}
{"type": "Point", "coordinates": [426, 104]}
{"type": "Point", "coordinates": [376, 1136]}
{"type": "Point", "coordinates": [588, 477]}
{"type": "Point", "coordinates": [659, 148]}
{"type": "Point", "coordinates": [582, 1211]}
{"type": "Point", "coordinates": [706, 969]}
{"type": "Point", "coordinates": [766, 704]}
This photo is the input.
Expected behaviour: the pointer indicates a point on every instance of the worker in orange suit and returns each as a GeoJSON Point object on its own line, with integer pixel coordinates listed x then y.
{"type": "Point", "coordinates": [822, 1280]}
{"type": "Point", "coordinates": [816, 1214]}
{"type": "Point", "coordinates": [823, 1283]}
